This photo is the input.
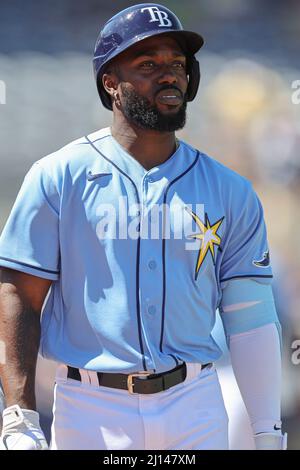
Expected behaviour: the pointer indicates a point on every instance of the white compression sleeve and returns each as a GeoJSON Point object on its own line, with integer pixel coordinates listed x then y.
{"type": "Point", "coordinates": [256, 362]}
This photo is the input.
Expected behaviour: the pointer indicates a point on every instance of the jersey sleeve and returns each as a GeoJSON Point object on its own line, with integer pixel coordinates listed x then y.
{"type": "Point", "coordinates": [30, 239]}
{"type": "Point", "coordinates": [246, 251]}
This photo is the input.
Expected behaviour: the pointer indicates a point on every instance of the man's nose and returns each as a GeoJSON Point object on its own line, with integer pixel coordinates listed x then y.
{"type": "Point", "coordinates": [167, 76]}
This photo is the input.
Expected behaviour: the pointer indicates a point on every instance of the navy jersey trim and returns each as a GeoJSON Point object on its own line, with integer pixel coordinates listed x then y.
{"type": "Point", "coordinates": [138, 309]}
{"type": "Point", "coordinates": [164, 253]}
{"type": "Point", "coordinates": [29, 265]}
{"type": "Point", "coordinates": [90, 141]}
{"type": "Point", "coordinates": [245, 275]}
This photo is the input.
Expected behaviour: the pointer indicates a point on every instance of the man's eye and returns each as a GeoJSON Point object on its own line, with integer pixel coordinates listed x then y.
{"type": "Point", "coordinates": [147, 65]}
{"type": "Point", "coordinates": [180, 65]}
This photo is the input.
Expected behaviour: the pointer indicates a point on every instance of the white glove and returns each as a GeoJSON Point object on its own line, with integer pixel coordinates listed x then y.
{"type": "Point", "coordinates": [270, 441]}
{"type": "Point", "coordinates": [21, 430]}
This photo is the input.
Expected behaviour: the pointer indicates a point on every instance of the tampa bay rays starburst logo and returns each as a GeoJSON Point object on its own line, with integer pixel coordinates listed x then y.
{"type": "Point", "coordinates": [208, 236]}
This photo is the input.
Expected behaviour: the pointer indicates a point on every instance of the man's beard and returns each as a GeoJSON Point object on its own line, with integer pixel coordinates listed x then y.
{"type": "Point", "coordinates": [138, 110]}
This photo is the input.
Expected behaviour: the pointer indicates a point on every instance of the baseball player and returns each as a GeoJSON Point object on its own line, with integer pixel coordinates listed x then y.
{"type": "Point", "coordinates": [139, 238]}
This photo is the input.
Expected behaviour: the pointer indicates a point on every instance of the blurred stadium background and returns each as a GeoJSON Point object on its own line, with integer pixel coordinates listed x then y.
{"type": "Point", "coordinates": [244, 116]}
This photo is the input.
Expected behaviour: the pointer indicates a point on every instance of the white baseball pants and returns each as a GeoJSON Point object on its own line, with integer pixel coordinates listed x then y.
{"type": "Point", "coordinates": [189, 416]}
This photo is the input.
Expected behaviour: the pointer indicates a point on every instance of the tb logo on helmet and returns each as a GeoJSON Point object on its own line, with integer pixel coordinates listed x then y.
{"type": "Point", "coordinates": [158, 15]}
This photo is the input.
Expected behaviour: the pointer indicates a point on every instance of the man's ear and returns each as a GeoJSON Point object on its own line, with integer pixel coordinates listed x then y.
{"type": "Point", "coordinates": [110, 82]}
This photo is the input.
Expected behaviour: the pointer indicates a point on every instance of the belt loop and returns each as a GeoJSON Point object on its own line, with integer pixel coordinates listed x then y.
{"type": "Point", "coordinates": [93, 376]}
{"type": "Point", "coordinates": [85, 379]}
{"type": "Point", "coordinates": [61, 372]}
{"type": "Point", "coordinates": [193, 369]}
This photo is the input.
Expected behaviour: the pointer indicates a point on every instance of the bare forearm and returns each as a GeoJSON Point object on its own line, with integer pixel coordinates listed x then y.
{"type": "Point", "coordinates": [20, 335]}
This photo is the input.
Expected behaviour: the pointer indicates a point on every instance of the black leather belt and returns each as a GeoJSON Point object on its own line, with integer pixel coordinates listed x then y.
{"type": "Point", "coordinates": [140, 382]}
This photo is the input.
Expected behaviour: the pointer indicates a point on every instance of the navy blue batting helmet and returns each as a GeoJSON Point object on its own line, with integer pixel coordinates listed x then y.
{"type": "Point", "coordinates": [140, 22]}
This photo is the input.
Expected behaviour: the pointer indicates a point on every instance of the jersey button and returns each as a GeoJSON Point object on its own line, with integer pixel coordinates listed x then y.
{"type": "Point", "coordinates": [152, 264]}
{"type": "Point", "coordinates": [151, 180]}
{"type": "Point", "coordinates": [151, 309]}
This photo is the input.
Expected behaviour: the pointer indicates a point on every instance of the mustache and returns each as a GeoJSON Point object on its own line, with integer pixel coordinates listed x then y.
{"type": "Point", "coordinates": [170, 87]}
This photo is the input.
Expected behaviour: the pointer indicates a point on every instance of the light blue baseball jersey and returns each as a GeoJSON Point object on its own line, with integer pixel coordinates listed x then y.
{"type": "Point", "coordinates": [124, 299]}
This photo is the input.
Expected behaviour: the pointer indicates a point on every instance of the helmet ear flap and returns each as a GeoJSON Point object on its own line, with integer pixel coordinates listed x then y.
{"type": "Point", "coordinates": [193, 71]}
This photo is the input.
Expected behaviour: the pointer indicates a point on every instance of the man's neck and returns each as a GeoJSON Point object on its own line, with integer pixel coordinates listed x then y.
{"type": "Point", "coordinates": [149, 148]}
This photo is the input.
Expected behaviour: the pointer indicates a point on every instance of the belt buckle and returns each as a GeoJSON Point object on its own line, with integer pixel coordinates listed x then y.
{"type": "Point", "coordinates": [130, 377]}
